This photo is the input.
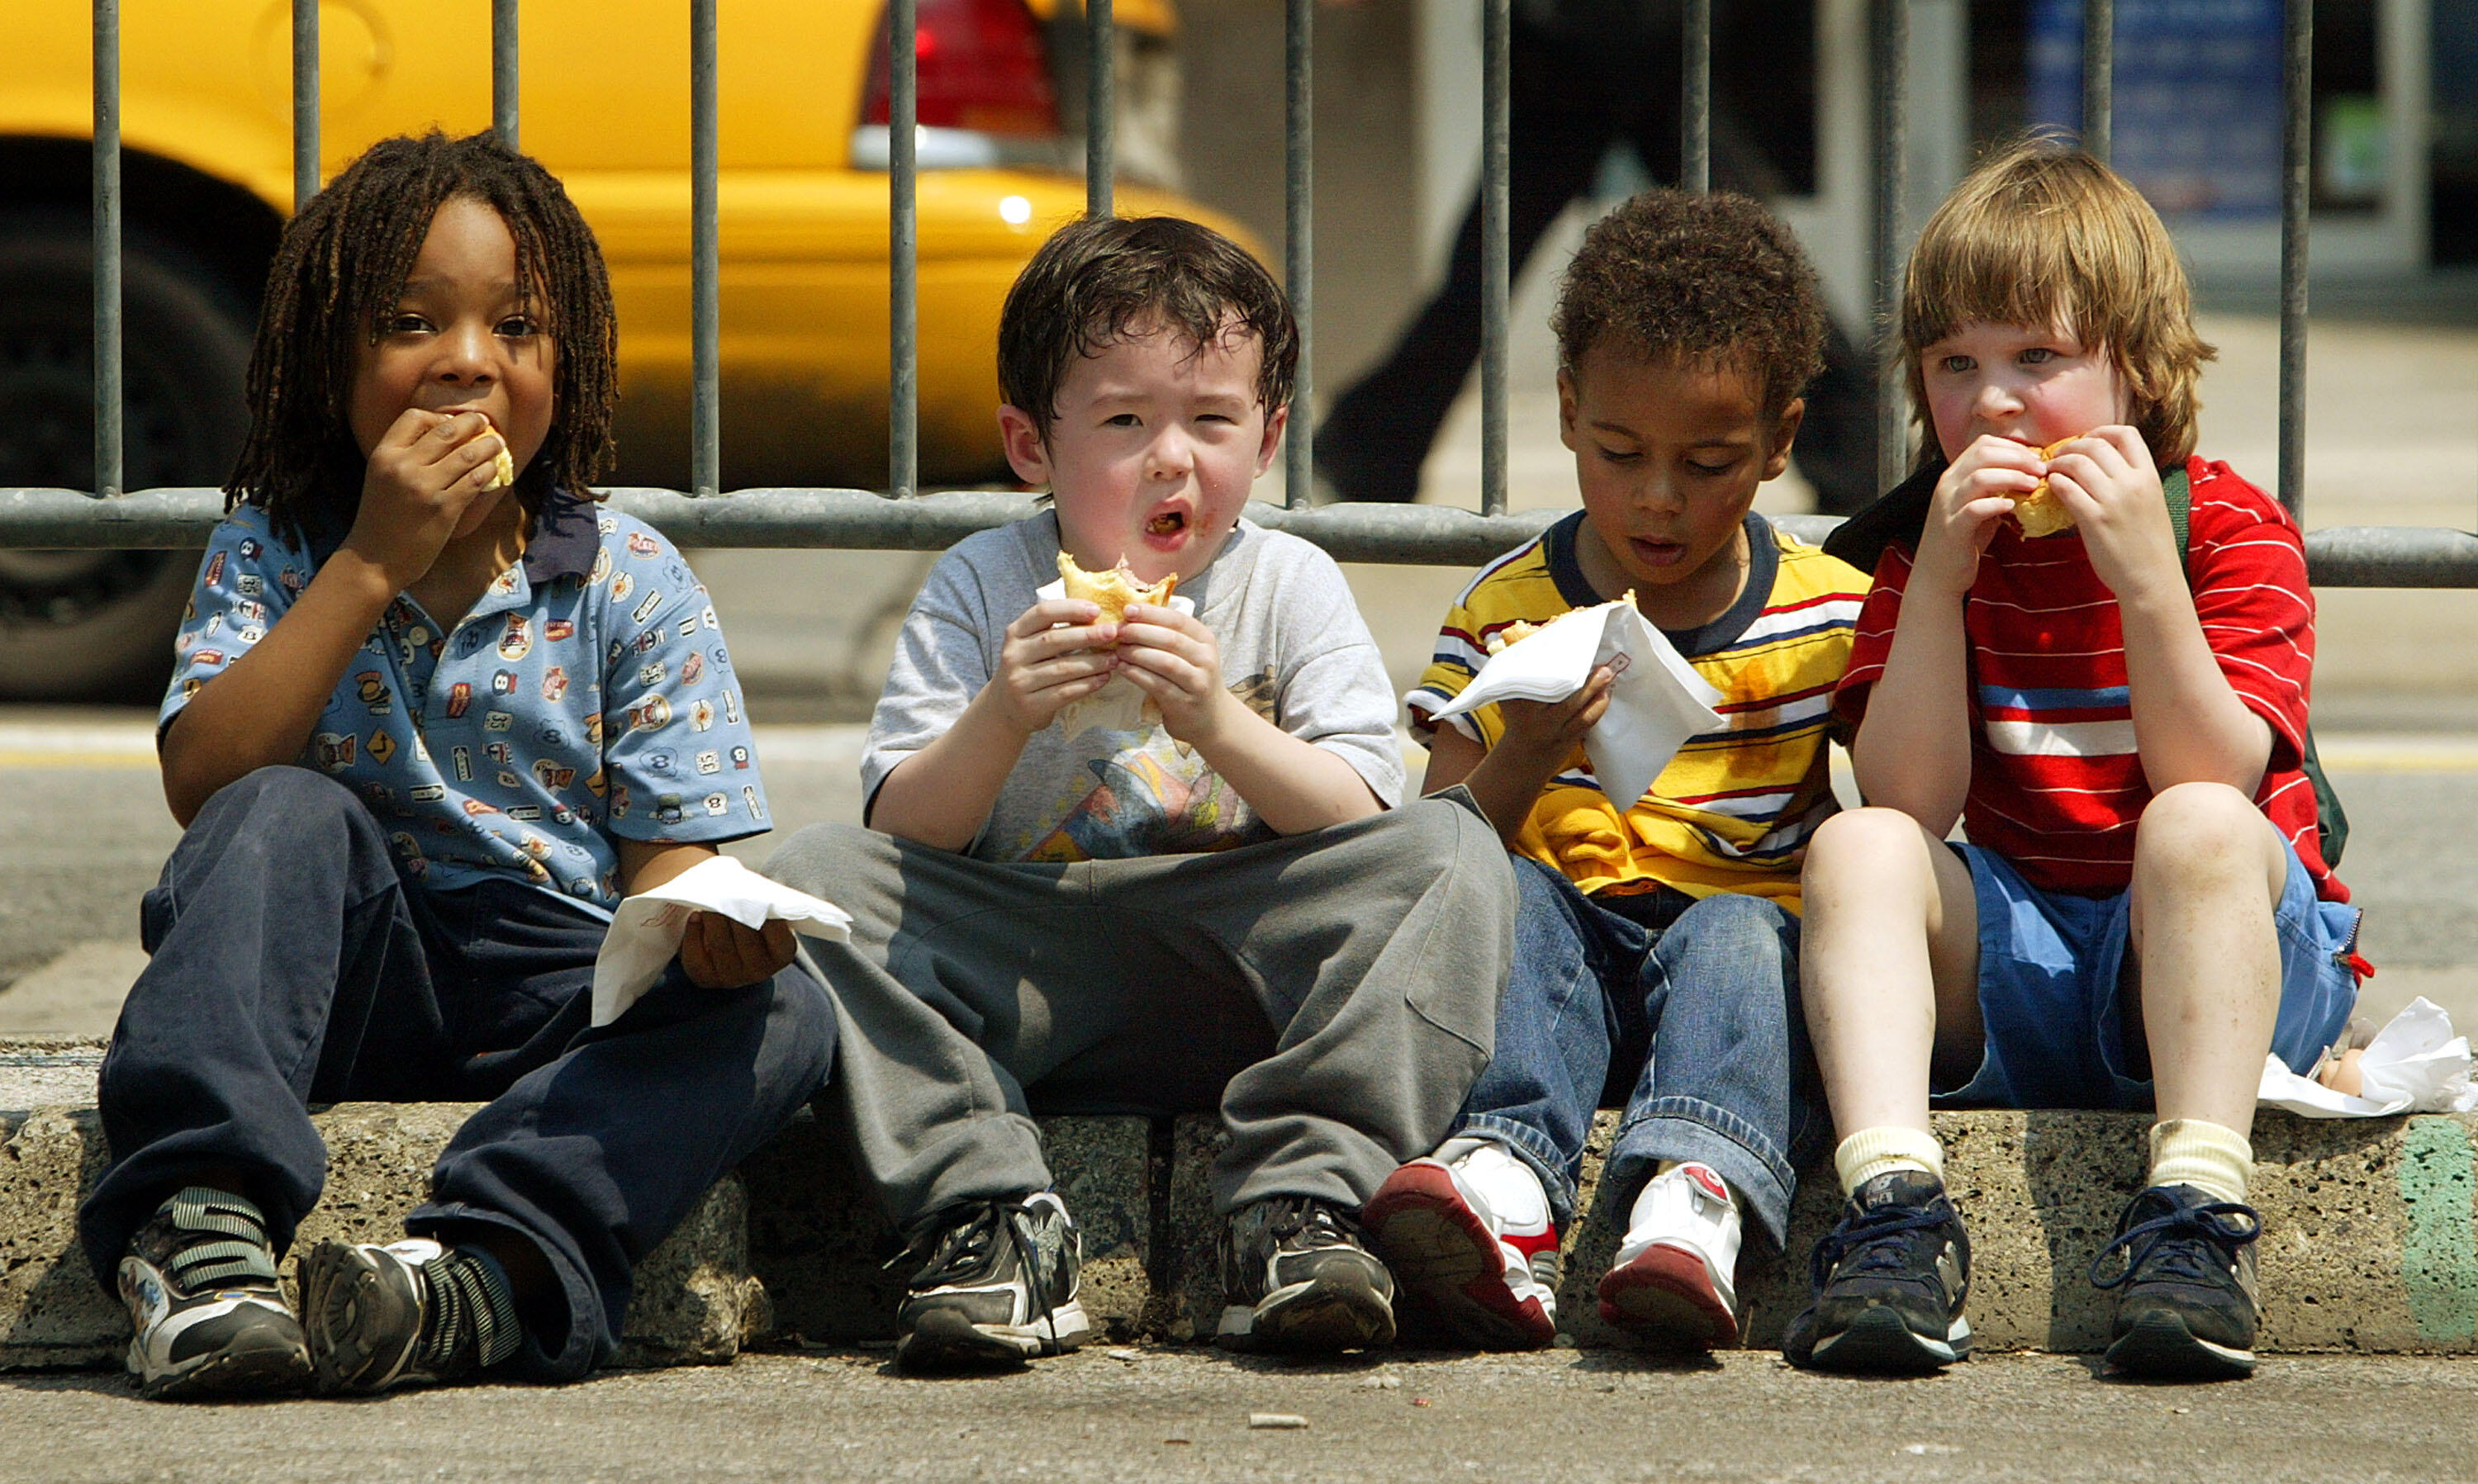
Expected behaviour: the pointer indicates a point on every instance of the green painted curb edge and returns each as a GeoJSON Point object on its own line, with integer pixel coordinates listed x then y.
{"type": "Point", "coordinates": [2439, 1259]}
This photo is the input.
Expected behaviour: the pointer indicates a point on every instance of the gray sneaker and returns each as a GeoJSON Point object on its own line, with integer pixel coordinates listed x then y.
{"type": "Point", "coordinates": [411, 1311]}
{"type": "Point", "coordinates": [208, 1317]}
{"type": "Point", "coordinates": [1296, 1276]}
{"type": "Point", "coordinates": [997, 1288]}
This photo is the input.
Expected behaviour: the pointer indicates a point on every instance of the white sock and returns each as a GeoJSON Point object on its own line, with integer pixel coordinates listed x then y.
{"type": "Point", "coordinates": [2211, 1157]}
{"type": "Point", "coordinates": [1883, 1149]}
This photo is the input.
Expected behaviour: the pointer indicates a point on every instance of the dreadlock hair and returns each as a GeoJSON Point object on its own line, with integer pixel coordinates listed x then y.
{"type": "Point", "coordinates": [339, 270]}
{"type": "Point", "coordinates": [1099, 280]}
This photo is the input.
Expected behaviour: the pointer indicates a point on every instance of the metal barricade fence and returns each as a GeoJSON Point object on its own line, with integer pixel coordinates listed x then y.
{"type": "Point", "coordinates": [905, 518]}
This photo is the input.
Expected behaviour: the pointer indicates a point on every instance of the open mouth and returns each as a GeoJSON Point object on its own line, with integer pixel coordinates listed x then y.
{"type": "Point", "coordinates": [1169, 522]}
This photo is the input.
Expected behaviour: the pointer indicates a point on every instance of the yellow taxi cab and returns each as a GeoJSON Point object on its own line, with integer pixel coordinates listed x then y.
{"type": "Point", "coordinates": [207, 173]}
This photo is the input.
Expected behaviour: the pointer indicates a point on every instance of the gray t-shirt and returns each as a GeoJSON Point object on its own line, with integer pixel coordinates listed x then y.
{"type": "Point", "coordinates": [1293, 646]}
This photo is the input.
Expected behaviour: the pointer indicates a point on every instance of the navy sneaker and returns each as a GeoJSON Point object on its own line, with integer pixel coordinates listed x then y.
{"type": "Point", "coordinates": [1890, 1280]}
{"type": "Point", "coordinates": [1296, 1276]}
{"type": "Point", "coordinates": [999, 1288]}
{"type": "Point", "coordinates": [2186, 1310]}
{"type": "Point", "coordinates": [402, 1312]}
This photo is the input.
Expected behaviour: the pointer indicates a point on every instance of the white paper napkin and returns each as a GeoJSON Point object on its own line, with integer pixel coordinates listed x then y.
{"type": "Point", "coordinates": [2413, 1064]}
{"type": "Point", "coordinates": [1658, 703]}
{"type": "Point", "coordinates": [646, 930]}
{"type": "Point", "coordinates": [1117, 706]}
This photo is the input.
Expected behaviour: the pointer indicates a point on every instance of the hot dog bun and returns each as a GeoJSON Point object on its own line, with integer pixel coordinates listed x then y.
{"type": "Point", "coordinates": [2041, 513]}
{"type": "Point", "coordinates": [503, 468]}
{"type": "Point", "coordinates": [1112, 589]}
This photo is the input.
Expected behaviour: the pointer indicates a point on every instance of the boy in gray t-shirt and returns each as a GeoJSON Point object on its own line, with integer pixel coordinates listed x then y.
{"type": "Point", "coordinates": [1149, 865]}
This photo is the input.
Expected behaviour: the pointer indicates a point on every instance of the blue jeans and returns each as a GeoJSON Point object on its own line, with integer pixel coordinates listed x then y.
{"type": "Point", "coordinates": [1710, 984]}
{"type": "Point", "coordinates": [293, 965]}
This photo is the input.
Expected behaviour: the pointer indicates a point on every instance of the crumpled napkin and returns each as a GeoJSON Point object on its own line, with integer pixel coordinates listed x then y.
{"type": "Point", "coordinates": [1117, 706]}
{"type": "Point", "coordinates": [646, 930]}
{"type": "Point", "coordinates": [2413, 1064]}
{"type": "Point", "coordinates": [1658, 703]}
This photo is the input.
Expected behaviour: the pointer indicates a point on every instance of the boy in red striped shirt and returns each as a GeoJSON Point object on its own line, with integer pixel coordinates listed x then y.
{"type": "Point", "coordinates": [2143, 908]}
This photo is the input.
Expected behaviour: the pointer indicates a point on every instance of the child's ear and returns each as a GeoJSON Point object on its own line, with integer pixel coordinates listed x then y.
{"type": "Point", "coordinates": [1785, 433]}
{"type": "Point", "coordinates": [1026, 453]}
{"type": "Point", "coordinates": [1566, 406]}
{"type": "Point", "coordinates": [1276, 422]}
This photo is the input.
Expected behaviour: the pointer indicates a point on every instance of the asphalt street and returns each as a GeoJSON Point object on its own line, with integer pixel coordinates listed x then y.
{"type": "Point", "coordinates": [1190, 1415]}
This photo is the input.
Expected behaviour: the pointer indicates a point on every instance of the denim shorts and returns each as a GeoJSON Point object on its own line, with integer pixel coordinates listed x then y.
{"type": "Point", "coordinates": [2049, 966]}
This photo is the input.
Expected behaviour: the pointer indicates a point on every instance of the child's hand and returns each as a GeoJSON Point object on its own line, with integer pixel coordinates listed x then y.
{"type": "Point", "coordinates": [1043, 666]}
{"type": "Point", "coordinates": [719, 953]}
{"type": "Point", "coordinates": [2108, 482]}
{"type": "Point", "coordinates": [426, 483]}
{"type": "Point", "coordinates": [1548, 731]}
{"type": "Point", "coordinates": [1175, 659]}
{"type": "Point", "coordinates": [1977, 490]}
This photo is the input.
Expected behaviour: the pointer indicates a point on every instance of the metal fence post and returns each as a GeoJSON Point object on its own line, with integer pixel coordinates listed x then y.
{"type": "Point", "coordinates": [108, 427]}
{"type": "Point", "coordinates": [1101, 107]}
{"type": "Point", "coordinates": [1695, 102]}
{"type": "Point", "coordinates": [304, 103]}
{"type": "Point", "coordinates": [1892, 183]}
{"type": "Point", "coordinates": [1496, 260]}
{"type": "Point", "coordinates": [706, 278]}
{"type": "Point", "coordinates": [2297, 157]}
{"type": "Point", "coordinates": [1299, 241]}
{"type": "Point", "coordinates": [903, 249]}
{"type": "Point", "coordinates": [503, 70]}
{"type": "Point", "coordinates": [2099, 75]}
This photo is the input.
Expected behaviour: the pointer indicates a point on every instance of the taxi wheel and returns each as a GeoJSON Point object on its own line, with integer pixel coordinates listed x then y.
{"type": "Point", "coordinates": [98, 624]}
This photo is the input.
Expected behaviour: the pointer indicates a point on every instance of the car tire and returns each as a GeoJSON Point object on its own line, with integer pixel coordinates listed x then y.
{"type": "Point", "coordinates": [92, 626]}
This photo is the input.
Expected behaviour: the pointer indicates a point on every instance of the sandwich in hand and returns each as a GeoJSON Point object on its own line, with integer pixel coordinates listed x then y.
{"type": "Point", "coordinates": [2041, 513]}
{"type": "Point", "coordinates": [1112, 589]}
{"type": "Point", "coordinates": [503, 468]}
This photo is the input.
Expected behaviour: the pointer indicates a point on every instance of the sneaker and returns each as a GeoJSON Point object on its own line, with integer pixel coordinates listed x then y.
{"type": "Point", "coordinates": [1890, 1280]}
{"type": "Point", "coordinates": [208, 1315]}
{"type": "Point", "coordinates": [1295, 1276]}
{"type": "Point", "coordinates": [997, 1288]}
{"type": "Point", "coordinates": [1467, 1233]}
{"type": "Point", "coordinates": [1671, 1283]}
{"type": "Point", "coordinates": [2187, 1310]}
{"type": "Point", "coordinates": [410, 1311]}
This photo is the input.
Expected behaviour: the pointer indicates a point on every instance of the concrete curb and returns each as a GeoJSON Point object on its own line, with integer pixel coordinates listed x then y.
{"type": "Point", "coordinates": [2369, 1244]}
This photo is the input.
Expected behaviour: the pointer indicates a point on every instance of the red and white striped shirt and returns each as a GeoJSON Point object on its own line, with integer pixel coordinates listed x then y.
{"type": "Point", "coordinates": [2056, 782]}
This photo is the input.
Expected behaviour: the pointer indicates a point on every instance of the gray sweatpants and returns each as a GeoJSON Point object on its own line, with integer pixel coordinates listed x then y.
{"type": "Point", "coordinates": [1334, 995]}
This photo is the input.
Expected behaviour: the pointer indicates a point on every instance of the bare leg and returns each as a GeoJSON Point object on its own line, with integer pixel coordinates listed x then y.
{"type": "Point", "coordinates": [1889, 965]}
{"type": "Point", "coordinates": [2208, 872]}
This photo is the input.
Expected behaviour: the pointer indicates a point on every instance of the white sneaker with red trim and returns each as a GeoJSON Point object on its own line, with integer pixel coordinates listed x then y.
{"type": "Point", "coordinates": [1671, 1283]}
{"type": "Point", "coordinates": [1466, 1231]}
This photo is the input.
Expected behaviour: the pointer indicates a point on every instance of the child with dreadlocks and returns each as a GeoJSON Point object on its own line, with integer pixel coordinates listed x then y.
{"type": "Point", "coordinates": [427, 727]}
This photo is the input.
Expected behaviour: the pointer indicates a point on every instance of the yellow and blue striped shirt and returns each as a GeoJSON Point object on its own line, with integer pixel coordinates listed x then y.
{"type": "Point", "coordinates": [1734, 810]}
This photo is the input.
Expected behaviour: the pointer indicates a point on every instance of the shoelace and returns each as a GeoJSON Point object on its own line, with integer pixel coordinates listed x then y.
{"type": "Point", "coordinates": [1321, 1224]}
{"type": "Point", "coordinates": [2225, 1225]}
{"type": "Point", "coordinates": [1869, 1235]}
{"type": "Point", "coordinates": [965, 1249]}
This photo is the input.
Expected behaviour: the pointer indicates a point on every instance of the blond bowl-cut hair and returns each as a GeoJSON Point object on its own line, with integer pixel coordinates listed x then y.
{"type": "Point", "coordinates": [2042, 235]}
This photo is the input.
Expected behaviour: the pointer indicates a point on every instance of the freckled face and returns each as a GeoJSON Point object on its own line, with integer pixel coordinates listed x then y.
{"type": "Point", "coordinates": [461, 339]}
{"type": "Point", "coordinates": [2035, 386]}
{"type": "Point", "coordinates": [1152, 451]}
{"type": "Point", "coordinates": [1668, 456]}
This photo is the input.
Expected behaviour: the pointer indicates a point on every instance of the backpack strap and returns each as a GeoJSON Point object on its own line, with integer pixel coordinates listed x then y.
{"type": "Point", "coordinates": [2179, 488]}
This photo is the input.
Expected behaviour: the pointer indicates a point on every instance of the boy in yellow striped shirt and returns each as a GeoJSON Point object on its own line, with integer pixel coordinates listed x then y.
{"type": "Point", "coordinates": [1687, 327]}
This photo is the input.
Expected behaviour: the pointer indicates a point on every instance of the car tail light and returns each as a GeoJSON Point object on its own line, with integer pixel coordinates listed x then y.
{"type": "Point", "coordinates": [982, 67]}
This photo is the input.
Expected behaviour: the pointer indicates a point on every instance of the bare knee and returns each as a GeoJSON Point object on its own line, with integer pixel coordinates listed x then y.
{"type": "Point", "coordinates": [2195, 830]}
{"type": "Point", "coordinates": [1859, 848]}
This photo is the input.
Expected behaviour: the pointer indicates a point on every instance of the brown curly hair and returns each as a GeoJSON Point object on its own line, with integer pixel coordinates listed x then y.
{"type": "Point", "coordinates": [2042, 235]}
{"type": "Point", "coordinates": [339, 270]}
{"type": "Point", "coordinates": [1714, 280]}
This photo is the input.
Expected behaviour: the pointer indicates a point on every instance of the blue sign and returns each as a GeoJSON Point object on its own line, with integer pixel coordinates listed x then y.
{"type": "Point", "coordinates": [2197, 123]}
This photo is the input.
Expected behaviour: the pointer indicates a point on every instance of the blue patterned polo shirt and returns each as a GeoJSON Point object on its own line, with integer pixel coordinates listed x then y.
{"type": "Point", "coordinates": [588, 695]}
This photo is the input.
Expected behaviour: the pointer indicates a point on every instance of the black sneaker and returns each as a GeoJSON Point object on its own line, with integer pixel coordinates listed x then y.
{"type": "Point", "coordinates": [411, 1311]}
{"type": "Point", "coordinates": [1296, 1276]}
{"type": "Point", "coordinates": [1890, 1280]}
{"type": "Point", "coordinates": [997, 1288]}
{"type": "Point", "coordinates": [208, 1315]}
{"type": "Point", "coordinates": [2187, 1311]}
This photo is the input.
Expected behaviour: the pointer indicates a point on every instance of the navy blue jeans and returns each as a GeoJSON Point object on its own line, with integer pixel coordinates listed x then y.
{"type": "Point", "coordinates": [1690, 1004]}
{"type": "Point", "coordinates": [292, 966]}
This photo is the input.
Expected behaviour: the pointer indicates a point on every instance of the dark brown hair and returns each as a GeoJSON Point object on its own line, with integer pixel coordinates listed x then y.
{"type": "Point", "coordinates": [1101, 278]}
{"type": "Point", "coordinates": [339, 272]}
{"type": "Point", "coordinates": [1712, 280]}
{"type": "Point", "coordinates": [2043, 236]}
